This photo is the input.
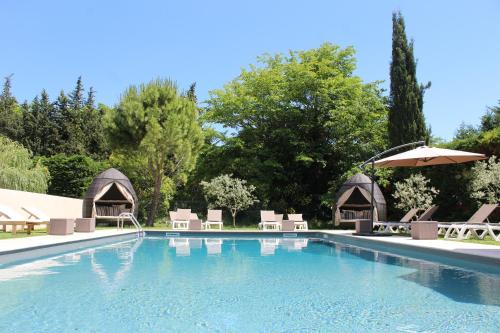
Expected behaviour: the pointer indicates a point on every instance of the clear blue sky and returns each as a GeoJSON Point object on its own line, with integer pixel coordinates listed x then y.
{"type": "Point", "coordinates": [112, 44]}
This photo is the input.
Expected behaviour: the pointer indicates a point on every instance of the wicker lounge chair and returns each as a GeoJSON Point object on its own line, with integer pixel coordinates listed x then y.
{"type": "Point", "coordinates": [214, 218]}
{"type": "Point", "coordinates": [268, 220]}
{"type": "Point", "coordinates": [298, 221]}
{"type": "Point", "coordinates": [474, 227]}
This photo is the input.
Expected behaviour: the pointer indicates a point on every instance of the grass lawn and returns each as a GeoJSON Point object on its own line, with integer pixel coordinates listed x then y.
{"type": "Point", "coordinates": [22, 234]}
{"type": "Point", "coordinates": [487, 240]}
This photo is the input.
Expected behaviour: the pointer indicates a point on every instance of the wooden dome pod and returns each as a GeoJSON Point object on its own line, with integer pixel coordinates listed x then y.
{"type": "Point", "coordinates": [352, 201]}
{"type": "Point", "coordinates": [110, 194]}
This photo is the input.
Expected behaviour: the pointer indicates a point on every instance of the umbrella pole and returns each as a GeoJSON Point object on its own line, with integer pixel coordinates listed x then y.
{"type": "Point", "coordinates": [372, 206]}
{"type": "Point", "coordinates": [371, 160]}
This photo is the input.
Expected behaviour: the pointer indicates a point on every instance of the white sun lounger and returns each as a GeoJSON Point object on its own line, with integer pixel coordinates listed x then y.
{"type": "Point", "coordinates": [180, 219]}
{"type": "Point", "coordinates": [298, 221]}
{"type": "Point", "coordinates": [474, 227]}
{"type": "Point", "coordinates": [214, 218]}
{"type": "Point", "coordinates": [268, 220]}
{"type": "Point", "coordinates": [35, 217]}
{"type": "Point", "coordinates": [494, 231]}
{"type": "Point", "coordinates": [8, 216]}
{"type": "Point", "coordinates": [394, 227]}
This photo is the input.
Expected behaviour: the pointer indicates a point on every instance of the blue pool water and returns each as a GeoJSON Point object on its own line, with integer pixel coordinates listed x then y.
{"type": "Point", "coordinates": [243, 285]}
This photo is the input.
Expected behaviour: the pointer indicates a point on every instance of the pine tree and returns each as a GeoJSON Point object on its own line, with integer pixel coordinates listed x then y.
{"type": "Point", "coordinates": [10, 117]}
{"type": "Point", "coordinates": [47, 122]}
{"type": "Point", "coordinates": [191, 93]}
{"type": "Point", "coordinates": [96, 144]}
{"type": "Point", "coordinates": [406, 117]}
{"type": "Point", "coordinates": [76, 97]}
{"type": "Point", "coordinates": [68, 126]}
{"type": "Point", "coordinates": [31, 130]}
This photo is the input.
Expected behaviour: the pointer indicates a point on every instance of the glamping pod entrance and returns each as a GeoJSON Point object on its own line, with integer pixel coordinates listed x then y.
{"type": "Point", "coordinates": [352, 201]}
{"type": "Point", "coordinates": [110, 194]}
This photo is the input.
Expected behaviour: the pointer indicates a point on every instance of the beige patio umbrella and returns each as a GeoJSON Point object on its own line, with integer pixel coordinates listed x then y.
{"type": "Point", "coordinates": [424, 156]}
{"type": "Point", "coordinates": [417, 157]}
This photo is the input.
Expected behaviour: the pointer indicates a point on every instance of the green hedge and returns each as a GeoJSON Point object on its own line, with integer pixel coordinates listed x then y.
{"type": "Point", "coordinates": [70, 176]}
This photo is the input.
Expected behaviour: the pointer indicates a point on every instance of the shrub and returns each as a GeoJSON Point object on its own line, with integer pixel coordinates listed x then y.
{"type": "Point", "coordinates": [71, 175]}
{"type": "Point", "coordinates": [485, 183]}
{"type": "Point", "coordinates": [414, 192]}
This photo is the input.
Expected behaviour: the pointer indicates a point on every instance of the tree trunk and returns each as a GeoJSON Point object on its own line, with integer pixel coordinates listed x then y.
{"type": "Point", "coordinates": [156, 198]}
{"type": "Point", "coordinates": [233, 213]}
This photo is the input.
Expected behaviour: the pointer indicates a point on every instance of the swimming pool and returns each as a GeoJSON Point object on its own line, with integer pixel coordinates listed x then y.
{"type": "Point", "coordinates": [162, 284]}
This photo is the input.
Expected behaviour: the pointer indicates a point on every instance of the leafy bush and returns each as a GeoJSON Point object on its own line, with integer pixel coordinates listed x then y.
{"type": "Point", "coordinates": [485, 183]}
{"type": "Point", "coordinates": [71, 175]}
{"type": "Point", "coordinates": [228, 192]}
{"type": "Point", "coordinates": [18, 171]}
{"type": "Point", "coordinates": [414, 192]}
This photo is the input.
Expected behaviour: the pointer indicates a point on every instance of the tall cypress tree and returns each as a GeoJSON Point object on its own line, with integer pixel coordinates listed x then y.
{"type": "Point", "coordinates": [406, 118]}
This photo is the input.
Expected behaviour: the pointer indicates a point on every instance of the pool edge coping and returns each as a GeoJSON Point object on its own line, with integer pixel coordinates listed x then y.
{"type": "Point", "coordinates": [64, 243]}
{"type": "Point", "coordinates": [453, 254]}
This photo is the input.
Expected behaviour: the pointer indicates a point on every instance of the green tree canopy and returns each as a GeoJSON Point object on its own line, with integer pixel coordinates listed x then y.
{"type": "Point", "coordinates": [296, 123]}
{"type": "Point", "coordinates": [406, 116]}
{"type": "Point", "coordinates": [225, 191]}
{"type": "Point", "coordinates": [482, 139]}
{"type": "Point", "coordinates": [70, 125]}
{"type": "Point", "coordinates": [157, 123]}
{"type": "Point", "coordinates": [71, 175]}
{"type": "Point", "coordinates": [18, 171]}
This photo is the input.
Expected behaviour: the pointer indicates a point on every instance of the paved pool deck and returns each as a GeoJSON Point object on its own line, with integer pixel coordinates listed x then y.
{"type": "Point", "coordinates": [484, 252]}
{"type": "Point", "coordinates": [12, 245]}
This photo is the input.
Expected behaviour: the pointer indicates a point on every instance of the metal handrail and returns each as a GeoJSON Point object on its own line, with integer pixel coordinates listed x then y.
{"type": "Point", "coordinates": [131, 217]}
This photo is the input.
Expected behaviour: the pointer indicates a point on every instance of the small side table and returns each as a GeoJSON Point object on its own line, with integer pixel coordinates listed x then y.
{"type": "Point", "coordinates": [287, 225]}
{"type": "Point", "coordinates": [363, 226]}
{"type": "Point", "coordinates": [195, 224]}
{"type": "Point", "coordinates": [85, 225]}
{"type": "Point", "coordinates": [424, 230]}
{"type": "Point", "coordinates": [61, 226]}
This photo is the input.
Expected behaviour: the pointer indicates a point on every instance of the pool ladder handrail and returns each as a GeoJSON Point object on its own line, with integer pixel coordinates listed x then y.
{"type": "Point", "coordinates": [131, 217]}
